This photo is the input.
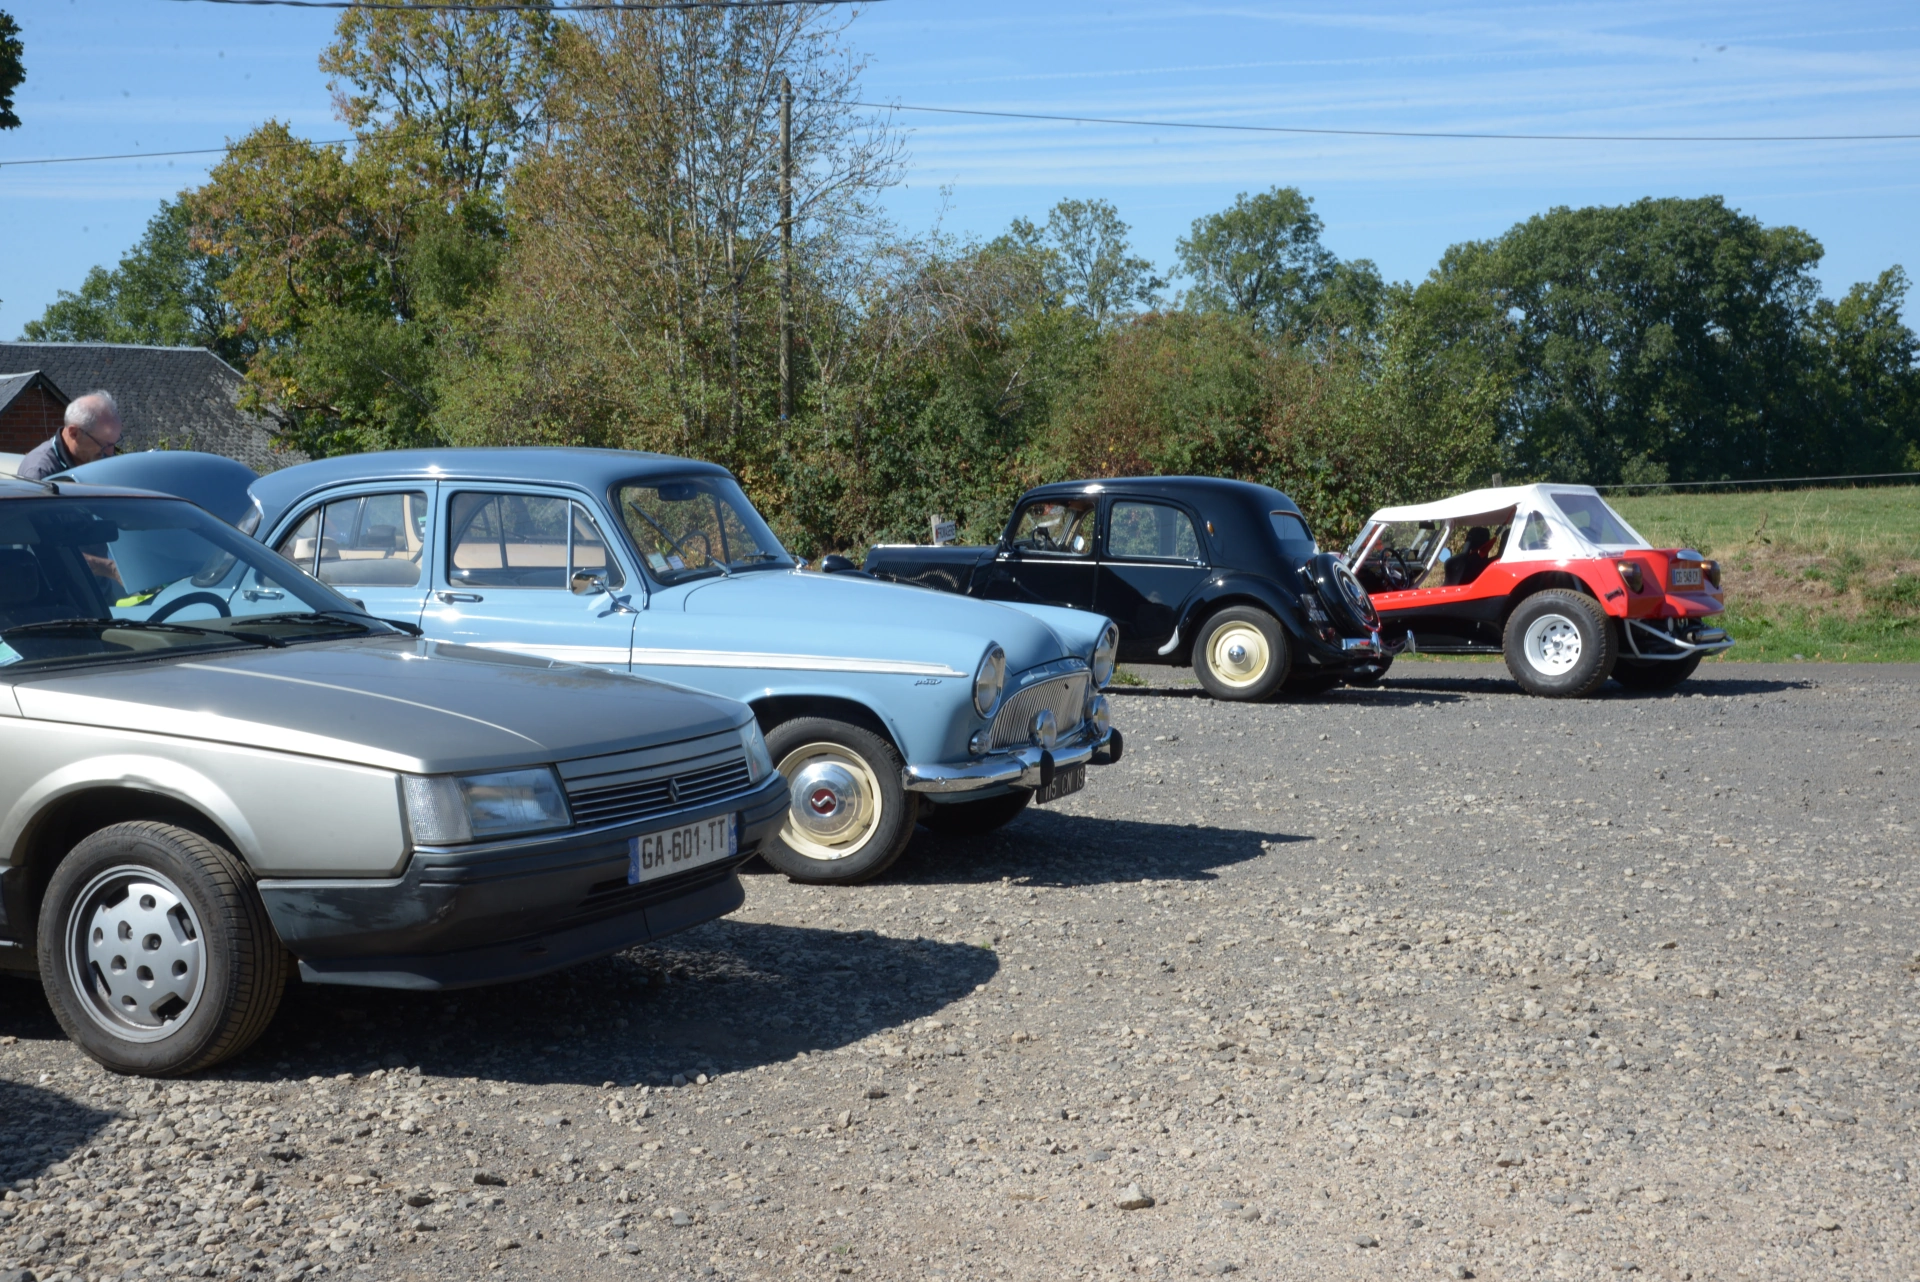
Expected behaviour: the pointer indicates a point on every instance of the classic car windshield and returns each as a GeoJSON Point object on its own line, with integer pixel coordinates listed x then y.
{"type": "Point", "coordinates": [1600, 524]}
{"type": "Point", "coordinates": [695, 526]}
{"type": "Point", "coordinates": [98, 580]}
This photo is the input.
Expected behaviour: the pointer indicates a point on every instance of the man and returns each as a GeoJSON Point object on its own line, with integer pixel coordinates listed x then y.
{"type": "Point", "coordinates": [91, 431]}
{"type": "Point", "coordinates": [1466, 567]}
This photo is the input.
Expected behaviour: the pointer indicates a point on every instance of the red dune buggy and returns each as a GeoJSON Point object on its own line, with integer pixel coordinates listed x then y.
{"type": "Point", "coordinates": [1550, 576]}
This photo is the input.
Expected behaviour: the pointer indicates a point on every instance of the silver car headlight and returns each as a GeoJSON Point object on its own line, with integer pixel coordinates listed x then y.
{"type": "Point", "coordinates": [989, 680]}
{"type": "Point", "coordinates": [759, 760]}
{"type": "Point", "coordinates": [445, 809]}
{"type": "Point", "coordinates": [1105, 654]}
{"type": "Point", "coordinates": [1100, 713]}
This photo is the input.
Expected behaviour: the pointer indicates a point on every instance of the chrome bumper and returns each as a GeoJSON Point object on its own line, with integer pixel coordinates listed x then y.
{"type": "Point", "coordinates": [1369, 644]}
{"type": "Point", "coordinates": [1021, 768]}
{"type": "Point", "coordinates": [1710, 641]}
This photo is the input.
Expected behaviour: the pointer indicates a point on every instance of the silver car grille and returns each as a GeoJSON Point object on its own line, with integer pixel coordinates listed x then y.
{"type": "Point", "coordinates": [625, 787]}
{"type": "Point", "coordinates": [1058, 688]}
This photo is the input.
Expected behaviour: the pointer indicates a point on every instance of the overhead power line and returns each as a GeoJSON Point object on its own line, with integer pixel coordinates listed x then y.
{"type": "Point", "coordinates": [591, 6]}
{"type": "Point", "coordinates": [1392, 133]}
{"type": "Point", "coordinates": [1006, 115]}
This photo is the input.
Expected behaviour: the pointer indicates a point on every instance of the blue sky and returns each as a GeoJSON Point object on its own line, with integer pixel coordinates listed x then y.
{"type": "Point", "coordinates": [154, 75]}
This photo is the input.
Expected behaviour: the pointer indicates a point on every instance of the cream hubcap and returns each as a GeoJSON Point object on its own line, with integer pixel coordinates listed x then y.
{"type": "Point", "coordinates": [1238, 654]}
{"type": "Point", "coordinates": [1553, 644]}
{"type": "Point", "coordinates": [836, 804]}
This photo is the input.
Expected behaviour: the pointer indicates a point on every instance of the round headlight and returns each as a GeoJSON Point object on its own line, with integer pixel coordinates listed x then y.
{"type": "Point", "coordinates": [1105, 654]}
{"type": "Point", "coordinates": [1100, 713]}
{"type": "Point", "coordinates": [989, 679]}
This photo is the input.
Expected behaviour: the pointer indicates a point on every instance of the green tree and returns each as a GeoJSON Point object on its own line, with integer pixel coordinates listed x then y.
{"type": "Point", "coordinates": [163, 292]}
{"type": "Point", "coordinates": [1682, 335]}
{"type": "Point", "coordinates": [1262, 259]}
{"type": "Point", "coordinates": [1091, 263]}
{"type": "Point", "coordinates": [13, 68]}
{"type": "Point", "coordinates": [468, 87]}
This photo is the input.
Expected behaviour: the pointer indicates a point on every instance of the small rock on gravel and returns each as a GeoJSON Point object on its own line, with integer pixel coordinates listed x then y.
{"type": "Point", "coordinates": [1132, 1198]}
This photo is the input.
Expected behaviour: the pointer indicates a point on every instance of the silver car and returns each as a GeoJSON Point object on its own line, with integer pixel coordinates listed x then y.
{"type": "Point", "coordinates": [213, 768]}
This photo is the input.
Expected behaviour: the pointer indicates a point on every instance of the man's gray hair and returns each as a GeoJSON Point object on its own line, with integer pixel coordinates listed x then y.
{"type": "Point", "coordinates": [86, 412]}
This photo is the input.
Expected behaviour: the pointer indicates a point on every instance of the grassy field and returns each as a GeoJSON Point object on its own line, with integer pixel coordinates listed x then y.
{"type": "Point", "coordinates": [1815, 574]}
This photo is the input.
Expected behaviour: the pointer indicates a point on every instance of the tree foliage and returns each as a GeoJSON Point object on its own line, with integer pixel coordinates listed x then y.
{"type": "Point", "coordinates": [1261, 259]}
{"type": "Point", "coordinates": [13, 68]}
{"type": "Point", "coordinates": [163, 292]}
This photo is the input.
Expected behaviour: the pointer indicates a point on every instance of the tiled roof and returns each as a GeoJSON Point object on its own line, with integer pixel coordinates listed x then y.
{"type": "Point", "coordinates": [182, 398]}
{"type": "Point", "coordinates": [11, 385]}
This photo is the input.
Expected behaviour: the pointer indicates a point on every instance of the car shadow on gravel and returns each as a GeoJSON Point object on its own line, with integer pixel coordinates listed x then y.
{"type": "Point", "coordinates": [722, 997]}
{"type": "Point", "coordinates": [1705, 686]}
{"type": "Point", "coordinates": [39, 1128]}
{"type": "Point", "coordinates": [1050, 848]}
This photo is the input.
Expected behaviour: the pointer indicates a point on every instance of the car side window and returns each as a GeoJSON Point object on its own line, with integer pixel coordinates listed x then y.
{"type": "Point", "coordinates": [1151, 531]}
{"type": "Point", "coordinates": [369, 540]}
{"type": "Point", "coordinates": [1537, 536]}
{"type": "Point", "coordinates": [1055, 525]}
{"type": "Point", "coordinates": [523, 541]}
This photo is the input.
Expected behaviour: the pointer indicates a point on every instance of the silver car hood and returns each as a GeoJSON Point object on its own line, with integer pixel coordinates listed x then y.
{"type": "Point", "coordinates": [396, 704]}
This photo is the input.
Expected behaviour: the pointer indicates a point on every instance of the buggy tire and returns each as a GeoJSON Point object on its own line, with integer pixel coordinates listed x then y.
{"type": "Point", "coordinates": [1560, 644]}
{"type": "Point", "coordinates": [1658, 674]}
{"type": "Point", "coordinates": [156, 954]}
{"type": "Point", "coordinates": [975, 818]}
{"type": "Point", "coordinates": [850, 815]}
{"type": "Point", "coordinates": [1241, 654]}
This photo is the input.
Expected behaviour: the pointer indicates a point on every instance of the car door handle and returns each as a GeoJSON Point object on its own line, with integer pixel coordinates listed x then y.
{"type": "Point", "coordinates": [448, 598]}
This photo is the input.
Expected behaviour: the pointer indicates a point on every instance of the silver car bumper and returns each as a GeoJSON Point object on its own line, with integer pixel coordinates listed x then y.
{"type": "Point", "coordinates": [1020, 768]}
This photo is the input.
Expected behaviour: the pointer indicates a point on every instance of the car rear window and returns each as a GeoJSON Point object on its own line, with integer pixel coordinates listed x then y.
{"type": "Point", "coordinates": [1296, 540]}
{"type": "Point", "coordinates": [1589, 514]}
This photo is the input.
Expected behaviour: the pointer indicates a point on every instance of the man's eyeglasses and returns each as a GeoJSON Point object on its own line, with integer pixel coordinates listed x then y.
{"type": "Point", "coordinates": [106, 447]}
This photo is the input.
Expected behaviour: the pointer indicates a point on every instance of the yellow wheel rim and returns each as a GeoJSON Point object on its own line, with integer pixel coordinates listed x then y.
{"type": "Point", "coordinates": [1237, 654]}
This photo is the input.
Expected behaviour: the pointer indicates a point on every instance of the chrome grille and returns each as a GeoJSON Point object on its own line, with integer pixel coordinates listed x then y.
{"type": "Point", "coordinates": [1064, 694]}
{"type": "Point", "coordinates": [629, 786]}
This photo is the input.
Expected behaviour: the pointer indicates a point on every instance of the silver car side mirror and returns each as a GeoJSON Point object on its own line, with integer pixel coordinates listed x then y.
{"type": "Point", "coordinates": [587, 583]}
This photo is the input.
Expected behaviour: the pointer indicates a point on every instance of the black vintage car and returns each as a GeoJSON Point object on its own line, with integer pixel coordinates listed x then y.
{"type": "Point", "coordinates": [1222, 575]}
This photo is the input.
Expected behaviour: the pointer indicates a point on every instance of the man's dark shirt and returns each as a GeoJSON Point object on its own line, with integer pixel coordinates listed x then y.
{"type": "Point", "coordinates": [45, 459]}
{"type": "Point", "coordinates": [1464, 569]}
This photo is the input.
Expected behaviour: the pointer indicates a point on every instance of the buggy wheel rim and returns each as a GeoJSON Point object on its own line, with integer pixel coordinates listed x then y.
{"type": "Point", "coordinates": [136, 954]}
{"type": "Point", "coordinates": [1553, 645]}
{"type": "Point", "coordinates": [1238, 654]}
{"type": "Point", "coordinates": [836, 805]}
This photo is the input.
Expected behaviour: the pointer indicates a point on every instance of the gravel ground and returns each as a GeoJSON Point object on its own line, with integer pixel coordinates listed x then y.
{"type": "Point", "coordinates": [1430, 980]}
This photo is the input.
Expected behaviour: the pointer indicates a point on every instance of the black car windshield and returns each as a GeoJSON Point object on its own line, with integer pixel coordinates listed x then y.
{"type": "Point", "coordinates": [102, 580]}
{"type": "Point", "coordinates": [693, 526]}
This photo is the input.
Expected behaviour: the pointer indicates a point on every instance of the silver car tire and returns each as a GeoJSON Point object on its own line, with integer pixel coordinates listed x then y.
{"type": "Point", "coordinates": [155, 952]}
{"type": "Point", "coordinates": [849, 815]}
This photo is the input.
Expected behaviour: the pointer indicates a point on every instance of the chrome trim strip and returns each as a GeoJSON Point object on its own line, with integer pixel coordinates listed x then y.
{"type": "Point", "coordinates": [594, 654]}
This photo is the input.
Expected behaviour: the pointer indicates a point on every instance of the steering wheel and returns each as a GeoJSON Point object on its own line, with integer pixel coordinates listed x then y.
{"type": "Point", "coordinates": [1402, 573]}
{"type": "Point", "coordinates": [180, 603]}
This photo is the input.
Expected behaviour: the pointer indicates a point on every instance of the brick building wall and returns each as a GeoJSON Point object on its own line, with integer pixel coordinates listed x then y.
{"type": "Point", "coordinates": [34, 416]}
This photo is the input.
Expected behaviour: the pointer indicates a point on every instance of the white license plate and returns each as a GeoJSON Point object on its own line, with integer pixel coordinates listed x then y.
{"type": "Point", "coordinates": [654, 855]}
{"type": "Point", "coordinates": [1684, 576]}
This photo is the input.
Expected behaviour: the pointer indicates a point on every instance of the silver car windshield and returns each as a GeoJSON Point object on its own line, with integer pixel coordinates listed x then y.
{"type": "Point", "coordinates": [694, 526]}
{"type": "Point", "coordinates": [105, 580]}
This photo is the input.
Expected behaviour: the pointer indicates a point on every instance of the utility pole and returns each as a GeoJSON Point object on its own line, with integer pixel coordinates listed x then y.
{"type": "Point", "coordinates": [786, 248]}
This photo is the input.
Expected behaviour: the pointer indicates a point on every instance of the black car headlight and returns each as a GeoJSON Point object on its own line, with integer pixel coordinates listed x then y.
{"type": "Point", "coordinates": [989, 679]}
{"type": "Point", "coordinates": [446, 809]}
{"type": "Point", "coordinates": [1104, 656]}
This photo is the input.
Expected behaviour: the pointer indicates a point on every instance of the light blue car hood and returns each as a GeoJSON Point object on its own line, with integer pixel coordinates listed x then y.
{"type": "Point", "coordinates": [845, 616]}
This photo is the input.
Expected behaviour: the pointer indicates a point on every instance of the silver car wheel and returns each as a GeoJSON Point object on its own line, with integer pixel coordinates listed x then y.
{"type": "Point", "coordinates": [1553, 644]}
{"type": "Point", "coordinates": [836, 801]}
{"type": "Point", "coordinates": [136, 954]}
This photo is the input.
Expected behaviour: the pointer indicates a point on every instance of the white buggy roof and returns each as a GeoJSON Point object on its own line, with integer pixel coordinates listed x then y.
{"type": "Point", "coordinates": [1479, 503]}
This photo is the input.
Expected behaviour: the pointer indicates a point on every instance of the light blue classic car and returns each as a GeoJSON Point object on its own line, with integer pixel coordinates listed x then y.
{"type": "Point", "coordinates": [883, 705]}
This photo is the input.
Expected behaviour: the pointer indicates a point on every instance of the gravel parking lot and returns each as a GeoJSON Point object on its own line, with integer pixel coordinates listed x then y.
{"type": "Point", "coordinates": [1430, 980]}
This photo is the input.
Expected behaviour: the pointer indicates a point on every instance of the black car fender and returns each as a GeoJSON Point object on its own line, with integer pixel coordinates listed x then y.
{"type": "Point", "coordinates": [1232, 588]}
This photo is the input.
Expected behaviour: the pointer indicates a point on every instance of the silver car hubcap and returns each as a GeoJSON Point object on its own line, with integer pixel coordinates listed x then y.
{"type": "Point", "coordinates": [136, 954]}
{"type": "Point", "coordinates": [835, 804]}
{"type": "Point", "coordinates": [1553, 644]}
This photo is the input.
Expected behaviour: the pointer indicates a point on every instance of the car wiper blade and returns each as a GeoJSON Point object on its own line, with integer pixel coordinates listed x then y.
{"type": "Point", "coordinates": [318, 616]}
{"type": "Point", "coordinates": [138, 625]}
